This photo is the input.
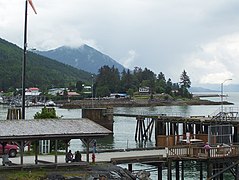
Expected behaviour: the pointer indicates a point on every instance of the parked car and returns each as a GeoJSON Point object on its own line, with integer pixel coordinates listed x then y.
{"type": "Point", "coordinates": [10, 149]}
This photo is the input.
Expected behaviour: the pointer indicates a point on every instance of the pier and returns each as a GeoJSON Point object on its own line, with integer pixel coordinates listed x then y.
{"type": "Point", "coordinates": [184, 138]}
{"type": "Point", "coordinates": [208, 95]}
{"type": "Point", "coordinates": [178, 140]}
{"type": "Point", "coordinates": [219, 160]}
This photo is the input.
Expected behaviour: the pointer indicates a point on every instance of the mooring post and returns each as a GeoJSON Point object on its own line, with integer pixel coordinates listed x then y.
{"type": "Point", "coordinates": [137, 129]}
{"type": "Point", "coordinates": [102, 116]}
{"type": "Point", "coordinates": [177, 170]}
{"type": "Point", "coordinates": [209, 169]}
{"type": "Point", "coordinates": [221, 168]}
{"type": "Point", "coordinates": [142, 129]}
{"type": "Point", "coordinates": [36, 145]}
{"type": "Point", "coordinates": [160, 173]}
{"type": "Point", "coordinates": [201, 171]}
{"type": "Point", "coordinates": [169, 169]}
{"type": "Point", "coordinates": [198, 129]}
{"type": "Point", "coordinates": [56, 144]}
{"type": "Point", "coordinates": [151, 130]}
{"type": "Point", "coordinates": [237, 172]}
{"type": "Point", "coordinates": [236, 133]}
{"type": "Point", "coordinates": [182, 170]}
{"type": "Point", "coordinates": [130, 167]}
{"type": "Point", "coordinates": [184, 128]}
{"type": "Point", "coordinates": [14, 113]}
{"type": "Point", "coordinates": [22, 151]}
{"type": "Point", "coordinates": [87, 150]}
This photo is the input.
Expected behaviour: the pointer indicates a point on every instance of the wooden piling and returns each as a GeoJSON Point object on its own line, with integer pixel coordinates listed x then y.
{"type": "Point", "coordinates": [160, 173]}
{"type": "Point", "coordinates": [201, 170]}
{"type": "Point", "coordinates": [102, 116]}
{"type": "Point", "coordinates": [14, 113]}
{"type": "Point", "coordinates": [209, 169]}
{"type": "Point", "coordinates": [182, 170]}
{"type": "Point", "coordinates": [130, 167]}
{"type": "Point", "coordinates": [169, 169]}
{"type": "Point", "coordinates": [177, 169]}
{"type": "Point", "coordinates": [237, 171]}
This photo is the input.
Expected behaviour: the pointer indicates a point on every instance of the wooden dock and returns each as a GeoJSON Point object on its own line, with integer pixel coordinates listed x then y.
{"type": "Point", "coordinates": [169, 158]}
{"type": "Point", "coordinates": [174, 147]}
{"type": "Point", "coordinates": [220, 130]}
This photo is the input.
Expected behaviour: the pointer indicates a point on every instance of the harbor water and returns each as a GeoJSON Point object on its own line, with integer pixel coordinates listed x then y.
{"type": "Point", "coordinates": [124, 127]}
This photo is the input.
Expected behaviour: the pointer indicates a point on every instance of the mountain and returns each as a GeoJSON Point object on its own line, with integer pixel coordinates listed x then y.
{"type": "Point", "coordinates": [215, 88]}
{"type": "Point", "coordinates": [84, 57]}
{"type": "Point", "coordinates": [40, 71]}
{"type": "Point", "coordinates": [200, 89]}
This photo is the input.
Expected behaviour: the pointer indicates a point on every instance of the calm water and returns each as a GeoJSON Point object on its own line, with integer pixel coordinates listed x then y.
{"type": "Point", "coordinates": [124, 128]}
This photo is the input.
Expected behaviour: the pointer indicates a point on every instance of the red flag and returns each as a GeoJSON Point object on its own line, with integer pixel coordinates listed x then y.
{"type": "Point", "coordinates": [30, 2]}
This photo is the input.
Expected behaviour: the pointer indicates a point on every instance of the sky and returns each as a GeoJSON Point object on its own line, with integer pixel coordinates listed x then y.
{"type": "Point", "coordinates": [169, 36]}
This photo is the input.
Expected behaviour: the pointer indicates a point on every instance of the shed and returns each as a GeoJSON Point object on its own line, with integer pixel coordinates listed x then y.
{"type": "Point", "coordinates": [23, 131]}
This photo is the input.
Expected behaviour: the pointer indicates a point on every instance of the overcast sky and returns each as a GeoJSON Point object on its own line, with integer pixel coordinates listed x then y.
{"type": "Point", "coordinates": [166, 36]}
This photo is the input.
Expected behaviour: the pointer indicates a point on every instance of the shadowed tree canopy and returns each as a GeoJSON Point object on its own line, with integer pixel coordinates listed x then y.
{"type": "Point", "coordinates": [109, 78]}
{"type": "Point", "coordinates": [41, 72]}
{"type": "Point", "coordinates": [185, 80]}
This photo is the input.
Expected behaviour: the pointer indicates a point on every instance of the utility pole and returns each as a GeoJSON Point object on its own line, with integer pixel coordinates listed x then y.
{"type": "Point", "coordinates": [92, 90]}
{"type": "Point", "coordinates": [222, 96]}
{"type": "Point", "coordinates": [24, 63]}
{"type": "Point", "coordinates": [25, 57]}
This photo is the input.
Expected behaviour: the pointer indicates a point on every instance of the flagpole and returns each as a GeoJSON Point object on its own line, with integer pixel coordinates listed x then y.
{"type": "Point", "coordinates": [24, 63]}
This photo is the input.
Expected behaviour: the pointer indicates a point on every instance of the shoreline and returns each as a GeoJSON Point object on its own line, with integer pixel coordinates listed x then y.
{"type": "Point", "coordinates": [96, 103]}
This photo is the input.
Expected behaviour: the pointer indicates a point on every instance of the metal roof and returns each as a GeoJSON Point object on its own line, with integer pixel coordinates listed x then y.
{"type": "Point", "coordinates": [50, 129]}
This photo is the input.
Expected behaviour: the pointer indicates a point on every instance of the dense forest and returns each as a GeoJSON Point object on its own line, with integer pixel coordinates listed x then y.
{"type": "Point", "coordinates": [40, 71]}
{"type": "Point", "coordinates": [110, 80]}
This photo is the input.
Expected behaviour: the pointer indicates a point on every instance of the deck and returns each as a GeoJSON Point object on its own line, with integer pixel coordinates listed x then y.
{"type": "Point", "coordinates": [161, 158]}
{"type": "Point", "coordinates": [195, 152]}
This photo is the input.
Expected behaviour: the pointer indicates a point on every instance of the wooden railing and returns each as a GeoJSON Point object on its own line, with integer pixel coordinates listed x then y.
{"type": "Point", "coordinates": [199, 152]}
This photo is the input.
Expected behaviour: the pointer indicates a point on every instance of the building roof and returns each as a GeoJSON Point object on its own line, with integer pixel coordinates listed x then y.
{"type": "Point", "coordinates": [50, 129]}
{"type": "Point", "coordinates": [33, 89]}
{"type": "Point", "coordinates": [73, 94]}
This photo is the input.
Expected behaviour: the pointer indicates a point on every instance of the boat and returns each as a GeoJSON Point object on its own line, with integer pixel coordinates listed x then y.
{"type": "Point", "coordinates": [50, 103]}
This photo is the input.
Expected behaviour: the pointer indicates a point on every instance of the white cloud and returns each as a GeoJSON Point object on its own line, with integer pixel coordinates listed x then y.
{"type": "Point", "coordinates": [160, 33]}
{"type": "Point", "coordinates": [216, 61]}
{"type": "Point", "coordinates": [129, 60]}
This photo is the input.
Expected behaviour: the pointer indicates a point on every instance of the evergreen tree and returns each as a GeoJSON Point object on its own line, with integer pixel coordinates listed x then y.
{"type": "Point", "coordinates": [109, 78]}
{"type": "Point", "coordinates": [126, 81]}
{"type": "Point", "coordinates": [185, 80]}
{"type": "Point", "coordinates": [185, 84]}
{"type": "Point", "coordinates": [149, 79]}
{"type": "Point", "coordinates": [79, 86]}
{"type": "Point", "coordinates": [138, 74]}
{"type": "Point", "coordinates": [160, 85]}
{"type": "Point", "coordinates": [169, 85]}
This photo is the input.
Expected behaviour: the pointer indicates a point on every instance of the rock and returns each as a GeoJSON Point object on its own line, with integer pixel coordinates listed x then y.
{"type": "Point", "coordinates": [143, 175]}
{"type": "Point", "coordinates": [55, 177]}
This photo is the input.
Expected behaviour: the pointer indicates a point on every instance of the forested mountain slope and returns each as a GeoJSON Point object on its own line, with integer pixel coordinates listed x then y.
{"type": "Point", "coordinates": [41, 72]}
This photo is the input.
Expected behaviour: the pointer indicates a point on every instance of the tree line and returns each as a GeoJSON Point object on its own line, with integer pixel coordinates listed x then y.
{"type": "Point", "coordinates": [110, 80]}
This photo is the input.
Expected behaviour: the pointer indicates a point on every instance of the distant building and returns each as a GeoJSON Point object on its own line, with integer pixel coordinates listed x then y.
{"type": "Point", "coordinates": [33, 91]}
{"type": "Point", "coordinates": [70, 94]}
{"type": "Point", "coordinates": [144, 90]}
{"type": "Point", "coordinates": [118, 95]}
{"type": "Point", "coordinates": [57, 91]}
{"type": "Point", "coordinates": [87, 90]}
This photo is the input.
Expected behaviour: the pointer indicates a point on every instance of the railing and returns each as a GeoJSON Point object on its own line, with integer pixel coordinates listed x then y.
{"type": "Point", "coordinates": [200, 152]}
{"type": "Point", "coordinates": [229, 113]}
